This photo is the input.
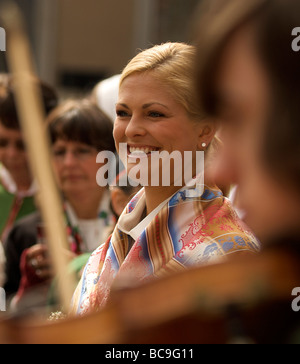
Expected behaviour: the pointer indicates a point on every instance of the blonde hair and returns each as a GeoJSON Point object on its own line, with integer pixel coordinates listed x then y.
{"type": "Point", "coordinates": [172, 64]}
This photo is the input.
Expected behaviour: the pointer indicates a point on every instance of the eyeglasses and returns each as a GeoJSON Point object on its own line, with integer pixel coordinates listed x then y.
{"type": "Point", "coordinates": [81, 153]}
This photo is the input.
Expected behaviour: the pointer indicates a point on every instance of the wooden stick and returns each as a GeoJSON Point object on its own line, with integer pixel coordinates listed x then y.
{"type": "Point", "coordinates": [31, 115]}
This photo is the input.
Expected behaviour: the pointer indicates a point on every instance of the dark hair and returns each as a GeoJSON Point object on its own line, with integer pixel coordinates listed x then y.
{"type": "Point", "coordinates": [272, 22]}
{"type": "Point", "coordinates": [8, 110]}
{"type": "Point", "coordinates": [81, 121]}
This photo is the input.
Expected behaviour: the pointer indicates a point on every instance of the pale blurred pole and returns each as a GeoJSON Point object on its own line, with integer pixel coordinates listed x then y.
{"type": "Point", "coordinates": [31, 115]}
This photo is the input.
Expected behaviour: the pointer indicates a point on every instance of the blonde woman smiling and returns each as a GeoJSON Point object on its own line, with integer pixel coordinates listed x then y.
{"type": "Point", "coordinates": [164, 229]}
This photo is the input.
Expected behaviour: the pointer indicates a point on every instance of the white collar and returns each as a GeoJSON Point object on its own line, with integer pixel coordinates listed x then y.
{"type": "Point", "coordinates": [104, 206]}
{"type": "Point", "coordinates": [131, 224]}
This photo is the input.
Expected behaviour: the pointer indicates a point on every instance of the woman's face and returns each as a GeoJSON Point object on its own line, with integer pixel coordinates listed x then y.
{"type": "Point", "coordinates": [244, 92]}
{"type": "Point", "coordinates": [149, 119]}
{"type": "Point", "coordinates": [75, 167]}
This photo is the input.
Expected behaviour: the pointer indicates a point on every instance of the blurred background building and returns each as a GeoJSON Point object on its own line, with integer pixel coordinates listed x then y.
{"type": "Point", "coordinates": [77, 43]}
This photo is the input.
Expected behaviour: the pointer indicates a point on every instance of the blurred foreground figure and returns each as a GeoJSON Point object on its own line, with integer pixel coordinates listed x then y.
{"type": "Point", "coordinates": [248, 77]}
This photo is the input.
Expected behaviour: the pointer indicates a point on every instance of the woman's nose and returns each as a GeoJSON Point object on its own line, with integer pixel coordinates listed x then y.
{"type": "Point", "coordinates": [70, 158]}
{"type": "Point", "coordinates": [135, 128]}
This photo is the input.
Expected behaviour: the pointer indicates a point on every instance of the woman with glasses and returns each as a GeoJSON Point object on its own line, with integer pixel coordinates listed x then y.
{"type": "Point", "coordinates": [78, 131]}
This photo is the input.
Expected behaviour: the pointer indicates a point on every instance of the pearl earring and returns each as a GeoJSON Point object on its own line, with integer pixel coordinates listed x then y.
{"type": "Point", "coordinates": [204, 145]}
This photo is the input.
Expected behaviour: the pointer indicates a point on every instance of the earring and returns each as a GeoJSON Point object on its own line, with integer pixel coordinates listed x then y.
{"type": "Point", "coordinates": [204, 145]}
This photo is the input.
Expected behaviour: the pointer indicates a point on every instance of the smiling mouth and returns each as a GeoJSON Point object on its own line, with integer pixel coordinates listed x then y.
{"type": "Point", "coordinates": [140, 151]}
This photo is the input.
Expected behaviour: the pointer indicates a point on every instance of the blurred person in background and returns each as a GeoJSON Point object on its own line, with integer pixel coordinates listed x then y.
{"type": "Point", "coordinates": [17, 188]}
{"type": "Point", "coordinates": [105, 94]}
{"type": "Point", "coordinates": [78, 131]}
{"type": "Point", "coordinates": [164, 229]}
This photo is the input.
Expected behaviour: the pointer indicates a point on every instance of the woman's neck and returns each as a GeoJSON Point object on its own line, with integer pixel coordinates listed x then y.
{"type": "Point", "coordinates": [86, 204]}
{"type": "Point", "coordinates": [156, 195]}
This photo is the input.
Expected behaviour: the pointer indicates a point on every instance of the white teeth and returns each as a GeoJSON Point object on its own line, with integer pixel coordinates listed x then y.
{"type": "Point", "coordinates": [134, 150]}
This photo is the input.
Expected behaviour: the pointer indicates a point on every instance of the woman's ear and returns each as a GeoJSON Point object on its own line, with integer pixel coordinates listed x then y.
{"type": "Point", "coordinates": [207, 131]}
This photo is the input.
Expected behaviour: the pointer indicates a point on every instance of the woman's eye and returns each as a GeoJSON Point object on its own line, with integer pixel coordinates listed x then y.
{"type": "Point", "coordinates": [122, 113]}
{"type": "Point", "coordinates": [3, 143]}
{"type": "Point", "coordinates": [20, 146]}
{"type": "Point", "coordinates": [83, 151]}
{"type": "Point", "coordinates": [59, 153]}
{"type": "Point", "coordinates": [156, 115]}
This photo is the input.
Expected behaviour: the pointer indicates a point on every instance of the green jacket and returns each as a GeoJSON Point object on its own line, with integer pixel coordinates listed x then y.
{"type": "Point", "coordinates": [8, 202]}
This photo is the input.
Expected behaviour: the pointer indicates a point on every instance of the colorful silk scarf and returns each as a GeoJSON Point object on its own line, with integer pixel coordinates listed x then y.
{"type": "Point", "coordinates": [187, 231]}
